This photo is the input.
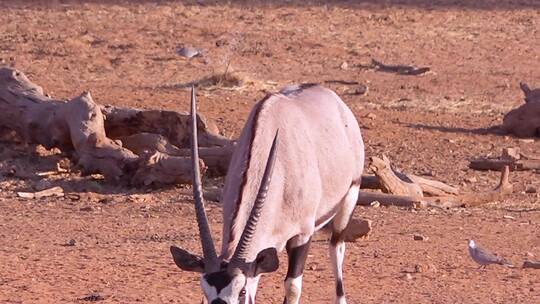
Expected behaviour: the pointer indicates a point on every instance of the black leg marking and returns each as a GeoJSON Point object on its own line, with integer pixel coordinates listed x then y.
{"type": "Point", "coordinates": [339, 288]}
{"type": "Point", "coordinates": [297, 259]}
{"type": "Point", "coordinates": [335, 241]}
{"type": "Point", "coordinates": [336, 238]}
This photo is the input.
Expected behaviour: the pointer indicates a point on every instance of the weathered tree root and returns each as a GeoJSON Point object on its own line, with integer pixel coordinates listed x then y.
{"type": "Point", "coordinates": [216, 158]}
{"type": "Point", "coordinates": [390, 182]}
{"type": "Point", "coordinates": [399, 183]}
{"type": "Point", "coordinates": [79, 127]}
{"type": "Point", "coordinates": [448, 201]}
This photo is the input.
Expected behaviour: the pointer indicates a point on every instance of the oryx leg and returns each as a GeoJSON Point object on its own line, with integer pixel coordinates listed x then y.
{"type": "Point", "coordinates": [297, 259]}
{"type": "Point", "coordinates": [337, 244]}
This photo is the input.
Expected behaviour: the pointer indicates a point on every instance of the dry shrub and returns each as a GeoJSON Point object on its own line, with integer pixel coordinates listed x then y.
{"type": "Point", "coordinates": [221, 80]}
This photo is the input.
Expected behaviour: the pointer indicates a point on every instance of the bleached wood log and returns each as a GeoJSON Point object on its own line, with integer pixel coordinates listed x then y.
{"type": "Point", "coordinates": [385, 199]}
{"type": "Point", "coordinates": [497, 164]}
{"type": "Point", "coordinates": [123, 122]}
{"type": "Point", "coordinates": [77, 127]}
{"type": "Point", "coordinates": [54, 191]}
{"type": "Point", "coordinates": [390, 182]}
{"type": "Point", "coordinates": [159, 169]}
{"type": "Point", "coordinates": [450, 201]}
{"type": "Point", "coordinates": [217, 158]}
{"type": "Point", "coordinates": [429, 187]}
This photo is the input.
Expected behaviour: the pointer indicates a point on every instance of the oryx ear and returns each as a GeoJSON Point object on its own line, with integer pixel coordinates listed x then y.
{"type": "Point", "coordinates": [525, 88]}
{"type": "Point", "coordinates": [266, 261]}
{"type": "Point", "coordinates": [187, 261]}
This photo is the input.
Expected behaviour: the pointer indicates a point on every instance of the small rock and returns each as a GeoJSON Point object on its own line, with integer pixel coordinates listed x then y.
{"type": "Point", "coordinates": [413, 269]}
{"type": "Point", "coordinates": [105, 200]}
{"type": "Point", "coordinates": [371, 116]}
{"type": "Point", "coordinates": [93, 297]}
{"type": "Point", "coordinates": [472, 179]}
{"type": "Point", "coordinates": [419, 237]}
{"type": "Point", "coordinates": [448, 140]}
{"type": "Point", "coordinates": [361, 90]}
{"type": "Point", "coordinates": [408, 276]}
{"type": "Point", "coordinates": [511, 153]}
{"type": "Point", "coordinates": [357, 228]}
{"type": "Point", "coordinates": [530, 189]}
{"type": "Point", "coordinates": [73, 196]}
{"type": "Point", "coordinates": [63, 165]}
{"type": "Point", "coordinates": [375, 204]}
{"type": "Point", "coordinates": [427, 172]}
{"type": "Point", "coordinates": [509, 217]}
{"type": "Point", "coordinates": [344, 65]}
{"type": "Point", "coordinates": [70, 243]}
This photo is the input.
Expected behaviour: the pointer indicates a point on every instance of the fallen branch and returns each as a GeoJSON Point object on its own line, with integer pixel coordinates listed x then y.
{"type": "Point", "coordinates": [398, 69]}
{"type": "Point", "coordinates": [429, 187]}
{"type": "Point", "coordinates": [344, 82]}
{"type": "Point", "coordinates": [54, 191]}
{"type": "Point", "coordinates": [531, 264]}
{"type": "Point", "coordinates": [498, 164]}
{"type": "Point", "coordinates": [450, 201]}
{"type": "Point", "coordinates": [510, 157]}
{"type": "Point", "coordinates": [367, 198]}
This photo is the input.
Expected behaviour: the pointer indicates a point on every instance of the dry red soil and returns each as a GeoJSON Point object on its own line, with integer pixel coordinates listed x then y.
{"type": "Point", "coordinates": [124, 52]}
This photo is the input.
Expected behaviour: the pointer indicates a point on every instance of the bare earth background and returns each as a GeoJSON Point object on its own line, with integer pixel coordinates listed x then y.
{"type": "Point", "coordinates": [124, 52]}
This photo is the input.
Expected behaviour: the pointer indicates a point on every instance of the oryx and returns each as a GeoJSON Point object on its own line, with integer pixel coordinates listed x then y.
{"type": "Point", "coordinates": [296, 169]}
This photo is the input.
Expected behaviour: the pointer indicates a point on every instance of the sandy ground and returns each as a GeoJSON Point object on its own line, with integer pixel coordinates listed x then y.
{"type": "Point", "coordinates": [124, 53]}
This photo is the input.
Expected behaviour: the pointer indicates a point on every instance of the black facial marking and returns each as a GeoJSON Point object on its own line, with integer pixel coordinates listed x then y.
{"type": "Point", "coordinates": [218, 301]}
{"type": "Point", "coordinates": [219, 280]}
{"type": "Point", "coordinates": [297, 260]}
{"type": "Point", "coordinates": [339, 288]}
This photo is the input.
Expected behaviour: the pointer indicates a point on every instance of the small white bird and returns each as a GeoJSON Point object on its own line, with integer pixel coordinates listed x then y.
{"type": "Point", "coordinates": [188, 51]}
{"type": "Point", "coordinates": [484, 257]}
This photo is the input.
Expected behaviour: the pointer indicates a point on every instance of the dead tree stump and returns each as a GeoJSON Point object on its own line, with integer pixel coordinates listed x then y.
{"type": "Point", "coordinates": [92, 134]}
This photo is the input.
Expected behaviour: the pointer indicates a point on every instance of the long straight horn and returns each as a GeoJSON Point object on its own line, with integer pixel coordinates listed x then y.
{"type": "Point", "coordinates": [209, 251]}
{"type": "Point", "coordinates": [240, 252]}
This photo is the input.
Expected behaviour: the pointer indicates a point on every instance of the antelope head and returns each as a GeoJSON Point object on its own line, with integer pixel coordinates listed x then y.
{"type": "Point", "coordinates": [235, 280]}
